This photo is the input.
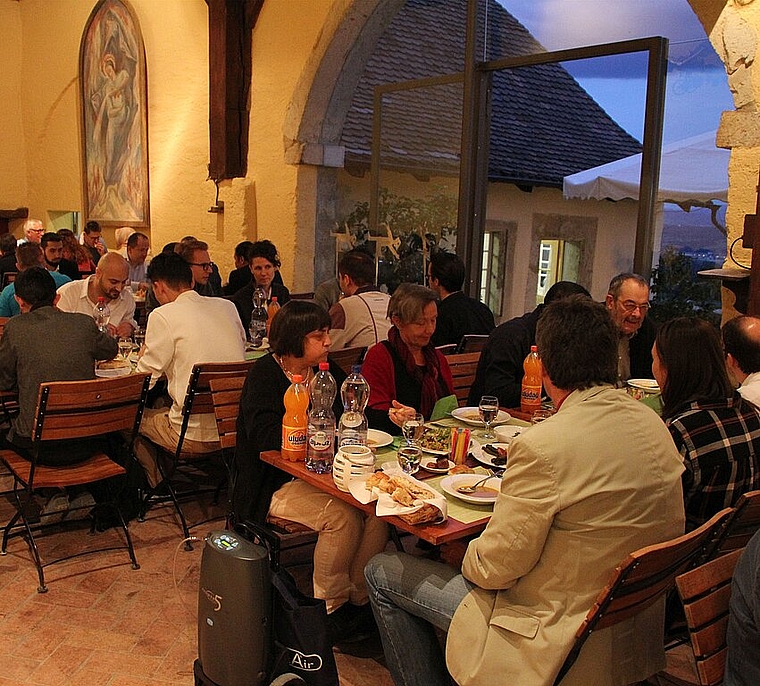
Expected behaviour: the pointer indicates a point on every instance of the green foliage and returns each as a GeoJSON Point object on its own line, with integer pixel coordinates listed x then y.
{"type": "Point", "coordinates": [678, 292]}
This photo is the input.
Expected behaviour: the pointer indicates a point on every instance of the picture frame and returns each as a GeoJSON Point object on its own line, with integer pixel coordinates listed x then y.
{"type": "Point", "coordinates": [114, 117]}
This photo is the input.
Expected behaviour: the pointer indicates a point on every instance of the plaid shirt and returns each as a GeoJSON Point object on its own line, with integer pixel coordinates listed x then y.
{"type": "Point", "coordinates": [720, 444]}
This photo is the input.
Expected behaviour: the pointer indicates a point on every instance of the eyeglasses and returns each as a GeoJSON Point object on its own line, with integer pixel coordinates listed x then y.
{"type": "Point", "coordinates": [205, 266]}
{"type": "Point", "coordinates": [36, 230]}
{"type": "Point", "coordinates": [630, 307]}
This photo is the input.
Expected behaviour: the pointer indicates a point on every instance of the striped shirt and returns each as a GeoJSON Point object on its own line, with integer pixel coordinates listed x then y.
{"type": "Point", "coordinates": [720, 443]}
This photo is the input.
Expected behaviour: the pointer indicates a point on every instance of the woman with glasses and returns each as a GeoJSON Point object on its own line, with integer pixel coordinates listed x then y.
{"type": "Point", "coordinates": [348, 537]}
{"type": "Point", "coordinates": [264, 265]}
{"type": "Point", "coordinates": [716, 431]}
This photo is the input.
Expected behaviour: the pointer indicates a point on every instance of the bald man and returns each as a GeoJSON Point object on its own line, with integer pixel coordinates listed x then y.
{"type": "Point", "coordinates": [741, 343]}
{"type": "Point", "coordinates": [108, 281]}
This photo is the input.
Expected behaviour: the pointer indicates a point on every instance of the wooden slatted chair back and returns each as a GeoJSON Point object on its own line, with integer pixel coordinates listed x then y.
{"type": "Point", "coordinates": [463, 367]}
{"type": "Point", "coordinates": [82, 409]}
{"type": "Point", "coordinates": [743, 524]}
{"type": "Point", "coordinates": [198, 399]}
{"type": "Point", "coordinates": [705, 593]}
{"type": "Point", "coordinates": [225, 395]}
{"type": "Point", "coordinates": [348, 357]}
{"type": "Point", "coordinates": [472, 343]}
{"type": "Point", "coordinates": [641, 579]}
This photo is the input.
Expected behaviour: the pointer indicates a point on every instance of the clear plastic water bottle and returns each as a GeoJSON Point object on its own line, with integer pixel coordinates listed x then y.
{"type": "Point", "coordinates": [102, 315]}
{"type": "Point", "coordinates": [258, 326]}
{"type": "Point", "coordinates": [320, 448]}
{"type": "Point", "coordinates": [352, 428]}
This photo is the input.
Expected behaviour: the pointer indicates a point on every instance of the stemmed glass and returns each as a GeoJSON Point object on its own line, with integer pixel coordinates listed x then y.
{"type": "Point", "coordinates": [413, 428]}
{"type": "Point", "coordinates": [139, 336]}
{"type": "Point", "coordinates": [489, 410]}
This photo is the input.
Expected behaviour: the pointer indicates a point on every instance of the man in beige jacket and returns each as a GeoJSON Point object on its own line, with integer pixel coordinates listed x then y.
{"type": "Point", "coordinates": [598, 480]}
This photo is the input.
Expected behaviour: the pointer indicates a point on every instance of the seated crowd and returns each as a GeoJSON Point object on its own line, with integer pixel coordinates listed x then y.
{"type": "Point", "coordinates": [604, 476]}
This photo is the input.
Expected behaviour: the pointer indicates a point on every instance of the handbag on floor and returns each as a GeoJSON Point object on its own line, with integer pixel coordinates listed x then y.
{"type": "Point", "coordinates": [299, 623]}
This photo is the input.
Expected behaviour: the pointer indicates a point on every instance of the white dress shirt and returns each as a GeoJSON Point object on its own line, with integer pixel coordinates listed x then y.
{"type": "Point", "coordinates": [750, 388]}
{"type": "Point", "coordinates": [186, 332]}
{"type": "Point", "coordinates": [74, 298]}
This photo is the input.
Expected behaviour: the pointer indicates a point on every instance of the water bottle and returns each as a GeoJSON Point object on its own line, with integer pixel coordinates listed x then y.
{"type": "Point", "coordinates": [258, 326]}
{"type": "Point", "coordinates": [102, 314]}
{"type": "Point", "coordinates": [320, 448]}
{"type": "Point", "coordinates": [352, 429]}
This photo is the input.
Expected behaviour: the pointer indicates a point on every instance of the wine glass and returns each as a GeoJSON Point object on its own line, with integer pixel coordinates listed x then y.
{"type": "Point", "coordinates": [489, 410]}
{"type": "Point", "coordinates": [413, 428]}
{"type": "Point", "coordinates": [125, 347]}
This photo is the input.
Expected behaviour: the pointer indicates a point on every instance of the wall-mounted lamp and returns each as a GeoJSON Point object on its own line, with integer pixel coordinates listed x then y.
{"type": "Point", "coordinates": [218, 206]}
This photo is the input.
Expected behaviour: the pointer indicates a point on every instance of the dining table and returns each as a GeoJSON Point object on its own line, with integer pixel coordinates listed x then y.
{"type": "Point", "coordinates": [464, 519]}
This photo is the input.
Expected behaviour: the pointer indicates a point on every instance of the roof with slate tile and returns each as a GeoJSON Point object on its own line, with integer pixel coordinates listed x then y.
{"type": "Point", "coordinates": [544, 126]}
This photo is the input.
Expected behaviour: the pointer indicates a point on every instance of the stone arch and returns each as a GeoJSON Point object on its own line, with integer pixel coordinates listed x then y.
{"type": "Point", "coordinates": [316, 113]}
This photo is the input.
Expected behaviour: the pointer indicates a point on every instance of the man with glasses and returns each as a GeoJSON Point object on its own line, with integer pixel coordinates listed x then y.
{"type": "Point", "coordinates": [628, 304]}
{"type": "Point", "coordinates": [33, 231]}
{"type": "Point", "coordinates": [206, 279]}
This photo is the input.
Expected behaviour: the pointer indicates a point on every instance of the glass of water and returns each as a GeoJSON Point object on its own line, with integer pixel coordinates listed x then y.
{"type": "Point", "coordinates": [139, 336]}
{"type": "Point", "coordinates": [413, 428]}
{"type": "Point", "coordinates": [489, 410]}
{"type": "Point", "coordinates": [125, 347]}
{"type": "Point", "coordinates": [409, 457]}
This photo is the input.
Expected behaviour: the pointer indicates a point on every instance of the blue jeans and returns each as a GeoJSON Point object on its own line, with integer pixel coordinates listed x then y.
{"type": "Point", "coordinates": [410, 596]}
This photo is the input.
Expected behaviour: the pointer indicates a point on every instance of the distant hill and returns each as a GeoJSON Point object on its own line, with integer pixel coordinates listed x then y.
{"type": "Point", "coordinates": [692, 231]}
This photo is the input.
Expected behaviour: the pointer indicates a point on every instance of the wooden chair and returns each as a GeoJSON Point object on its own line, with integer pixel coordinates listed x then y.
{"type": "Point", "coordinates": [348, 357]}
{"type": "Point", "coordinates": [198, 401]}
{"type": "Point", "coordinates": [8, 277]}
{"type": "Point", "coordinates": [705, 593]}
{"type": "Point", "coordinates": [302, 296]}
{"type": "Point", "coordinates": [225, 396]}
{"type": "Point", "coordinates": [742, 525]}
{"type": "Point", "coordinates": [463, 367]}
{"type": "Point", "coordinates": [472, 343]}
{"type": "Point", "coordinates": [641, 579]}
{"type": "Point", "coordinates": [69, 410]}
{"type": "Point", "coordinates": [448, 349]}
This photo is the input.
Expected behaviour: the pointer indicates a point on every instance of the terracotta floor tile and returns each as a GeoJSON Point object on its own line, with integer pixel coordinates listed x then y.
{"type": "Point", "coordinates": [61, 665]}
{"type": "Point", "coordinates": [18, 668]}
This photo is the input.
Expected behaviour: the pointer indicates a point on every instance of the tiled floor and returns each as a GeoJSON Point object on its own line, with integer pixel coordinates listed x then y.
{"type": "Point", "coordinates": [103, 623]}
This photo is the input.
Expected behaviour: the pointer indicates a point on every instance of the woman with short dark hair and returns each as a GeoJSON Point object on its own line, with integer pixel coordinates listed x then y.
{"type": "Point", "coordinates": [406, 374]}
{"type": "Point", "coordinates": [348, 537]}
{"type": "Point", "coordinates": [716, 431]}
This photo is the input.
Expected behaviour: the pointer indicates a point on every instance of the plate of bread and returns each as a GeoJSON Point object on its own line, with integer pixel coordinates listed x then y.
{"type": "Point", "coordinates": [109, 368]}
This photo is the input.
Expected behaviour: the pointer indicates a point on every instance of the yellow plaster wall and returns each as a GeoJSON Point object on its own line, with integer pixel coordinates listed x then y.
{"type": "Point", "coordinates": [13, 188]}
{"type": "Point", "coordinates": [284, 39]}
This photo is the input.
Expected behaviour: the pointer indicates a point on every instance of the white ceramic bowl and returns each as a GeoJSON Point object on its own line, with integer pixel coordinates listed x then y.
{"type": "Point", "coordinates": [505, 434]}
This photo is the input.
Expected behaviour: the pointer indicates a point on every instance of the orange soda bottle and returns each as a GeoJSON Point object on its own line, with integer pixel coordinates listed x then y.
{"type": "Point", "coordinates": [272, 310]}
{"type": "Point", "coordinates": [530, 394]}
{"type": "Point", "coordinates": [295, 421]}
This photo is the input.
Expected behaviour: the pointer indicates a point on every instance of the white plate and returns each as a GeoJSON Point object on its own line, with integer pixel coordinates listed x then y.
{"type": "Point", "coordinates": [378, 439]}
{"type": "Point", "coordinates": [471, 416]}
{"type": "Point", "coordinates": [110, 373]}
{"type": "Point", "coordinates": [507, 432]}
{"type": "Point", "coordinates": [451, 483]}
{"type": "Point", "coordinates": [427, 461]}
{"type": "Point", "coordinates": [644, 384]}
{"type": "Point", "coordinates": [484, 458]}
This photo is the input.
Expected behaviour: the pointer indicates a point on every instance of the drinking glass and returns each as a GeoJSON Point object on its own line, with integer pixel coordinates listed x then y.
{"type": "Point", "coordinates": [540, 416]}
{"type": "Point", "coordinates": [409, 457]}
{"type": "Point", "coordinates": [413, 428]}
{"type": "Point", "coordinates": [125, 347]}
{"type": "Point", "coordinates": [139, 337]}
{"type": "Point", "coordinates": [489, 410]}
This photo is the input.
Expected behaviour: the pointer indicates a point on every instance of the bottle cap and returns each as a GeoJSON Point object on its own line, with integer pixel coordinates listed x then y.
{"type": "Point", "coordinates": [324, 366]}
{"type": "Point", "coordinates": [297, 378]}
{"type": "Point", "coordinates": [274, 298]}
{"type": "Point", "coordinates": [356, 369]}
{"type": "Point", "coordinates": [534, 348]}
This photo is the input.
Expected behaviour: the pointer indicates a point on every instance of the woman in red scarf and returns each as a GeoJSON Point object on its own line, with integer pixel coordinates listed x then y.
{"type": "Point", "coordinates": [406, 374]}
